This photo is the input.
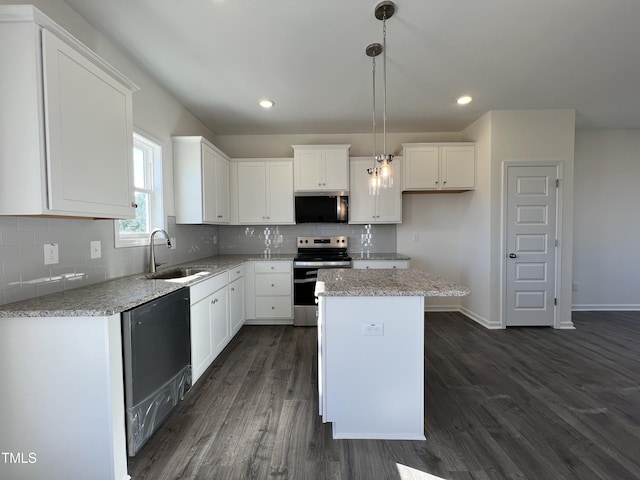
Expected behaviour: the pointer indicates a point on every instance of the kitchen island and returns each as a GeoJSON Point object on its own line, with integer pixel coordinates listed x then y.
{"type": "Point", "coordinates": [371, 350]}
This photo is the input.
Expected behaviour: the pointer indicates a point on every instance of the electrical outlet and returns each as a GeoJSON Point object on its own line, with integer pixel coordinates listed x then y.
{"type": "Point", "coordinates": [50, 253]}
{"type": "Point", "coordinates": [372, 329]}
{"type": "Point", "coordinates": [215, 239]}
{"type": "Point", "coordinates": [173, 243]}
{"type": "Point", "coordinates": [416, 237]}
{"type": "Point", "coordinates": [96, 249]}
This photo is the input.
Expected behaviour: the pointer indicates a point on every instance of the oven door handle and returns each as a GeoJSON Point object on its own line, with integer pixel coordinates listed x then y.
{"type": "Point", "coordinates": [323, 264]}
{"type": "Point", "coordinates": [304, 280]}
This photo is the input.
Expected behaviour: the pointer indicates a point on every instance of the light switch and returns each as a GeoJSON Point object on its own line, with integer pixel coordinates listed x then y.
{"type": "Point", "coordinates": [96, 249]}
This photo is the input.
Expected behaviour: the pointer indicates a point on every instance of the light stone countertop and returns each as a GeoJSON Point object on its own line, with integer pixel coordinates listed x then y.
{"type": "Point", "coordinates": [389, 283]}
{"type": "Point", "coordinates": [121, 294]}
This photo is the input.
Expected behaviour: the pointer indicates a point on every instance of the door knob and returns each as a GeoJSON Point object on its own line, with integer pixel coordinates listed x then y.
{"type": "Point", "coordinates": [512, 255]}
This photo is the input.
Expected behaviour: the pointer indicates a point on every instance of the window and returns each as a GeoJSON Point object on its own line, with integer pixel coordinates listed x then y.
{"type": "Point", "coordinates": [147, 181]}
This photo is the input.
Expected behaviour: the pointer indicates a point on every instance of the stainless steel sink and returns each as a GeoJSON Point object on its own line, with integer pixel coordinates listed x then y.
{"type": "Point", "coordinates": [178, 273]}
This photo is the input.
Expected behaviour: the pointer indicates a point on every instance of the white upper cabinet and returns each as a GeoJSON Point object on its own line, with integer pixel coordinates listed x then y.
{"type": "Point", "coordinates": [66, 122]}
{"type": "Point", "coordinates": [383, 208]}
{"type": "Point", "coordinates": [439, 166]}
{"type": "Point", "coordinates": [321, 168]}
{"type": "Point", "coordinates": [263, 191]}
{"type": "Point", "coordinates": [201, 181]}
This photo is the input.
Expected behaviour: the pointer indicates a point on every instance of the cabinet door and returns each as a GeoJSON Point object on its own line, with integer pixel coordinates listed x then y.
{"type": "Point", "coordinates": [220, 328]}
{"type": "Point", "coordinates": [421, 168]}
{"type": "Point", "coordinates": [202, 353]}
{"type": "Point", "coordinates": [209, 204]}
{"type": "Point", "coordinates": [222, 189]}
{"type": "Point", "coordinates": [336, 170]}
{"type": "Point", "coordinates": [308, 170]}
{"type": "Point", "coordinates": [88, 135]}
{"type": "Point", "coordinates": [362, 206]}
{"type": "Point", "coordinates": [458, 167]}
{"type": "Point", "coordinates": [280, 192]}
{"type": "Point", "coordinates": [251, 193]}
{"type": "Point", "coordinates": [389, 202]}
{"type": "Point", "coordinates": [236, 305]}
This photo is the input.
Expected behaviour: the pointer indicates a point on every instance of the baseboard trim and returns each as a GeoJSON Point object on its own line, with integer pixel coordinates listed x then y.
{"type": "Point", "coordinates": [605, 308]}
{"type": "Point", "coordinates": [492, 325]}
{"type": "Point", "coordinates": [274, 321]}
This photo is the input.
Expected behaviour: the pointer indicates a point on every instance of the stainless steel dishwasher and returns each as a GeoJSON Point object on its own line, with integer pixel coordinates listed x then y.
{"type": "Point", "coordinates": [157, 363]}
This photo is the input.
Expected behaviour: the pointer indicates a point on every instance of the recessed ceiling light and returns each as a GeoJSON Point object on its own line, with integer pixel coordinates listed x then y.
{"type": "Point", "coordinates": [464, 100]}
{"type": "Point", "coordinates": [266, 103]}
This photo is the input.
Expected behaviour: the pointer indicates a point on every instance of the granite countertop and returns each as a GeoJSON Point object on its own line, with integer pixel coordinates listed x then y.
{"type": "Point", "coordinates": [121, 294]}
{"type": "Point", "coordinates": [390, 283]}
{"type": "Point", "coordinates": [378, 256]}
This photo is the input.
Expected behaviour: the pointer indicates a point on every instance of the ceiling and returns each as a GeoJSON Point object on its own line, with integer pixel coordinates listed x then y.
{"type": "Point", "coordinates": [219, 57]}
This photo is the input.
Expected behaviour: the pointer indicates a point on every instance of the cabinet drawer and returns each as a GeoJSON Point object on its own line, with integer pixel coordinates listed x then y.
{"type": "Point", "coordinates": [380, 264]}
{"type": "Point", "coordinates": [274, 307]}
{"type": "Point", "coordinates": [273, 284]}
{"type": "Point", "coordinates": [236, 272]}
{"type": "Point", "coordinates": [268, 267]}
{"type": "Point", "coordinates": [207, 287]}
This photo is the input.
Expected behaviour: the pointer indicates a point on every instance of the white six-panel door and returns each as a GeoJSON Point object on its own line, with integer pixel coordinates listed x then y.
{"type": "Point", "coordinates": [531, 234]}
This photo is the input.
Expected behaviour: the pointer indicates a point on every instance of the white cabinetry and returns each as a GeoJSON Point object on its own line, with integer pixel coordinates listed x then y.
{"type": "Point", "coordinates": [201, 181]}
{"type": "Point", "coordinates": [236, 298]}
{"type": "Point", "coordinates": [263, 192]}
{"type": "Point", "coordinates": [380, 264]}
{"type": "Point", "coordinates": [439, 166]}
{"type": "Point", "coordinates": [364, 208]}
{"type": "Point", "coordinates": [210, 330]}
{"type": "Point", "coordinates": [319, 168]}
{"type": "Point", "coordinates": [66, 122]}
{"type": "Point", "coordinates": [270, 292]}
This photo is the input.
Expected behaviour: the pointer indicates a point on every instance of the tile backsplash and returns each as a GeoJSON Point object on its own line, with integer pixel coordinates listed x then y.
{"type": "Point", "coordinates": [23, 273]}
{"type": "Point", "coordinates": [282, 239]}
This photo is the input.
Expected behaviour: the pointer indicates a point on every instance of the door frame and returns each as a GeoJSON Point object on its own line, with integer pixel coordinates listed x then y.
{"type": "Point", "coordinates": [503, 236]}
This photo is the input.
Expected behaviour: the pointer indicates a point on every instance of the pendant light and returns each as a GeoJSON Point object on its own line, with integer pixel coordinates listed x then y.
{"type": "Point", "coordinates": [381, 172]}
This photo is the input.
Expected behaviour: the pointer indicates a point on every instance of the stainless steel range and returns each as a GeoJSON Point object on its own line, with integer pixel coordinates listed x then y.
{"type": "Point", "coordinates": [314, 253]}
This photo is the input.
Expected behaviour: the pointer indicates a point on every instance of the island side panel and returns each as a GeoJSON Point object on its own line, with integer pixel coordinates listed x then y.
{"type": "Point", "coordinates": [374, 384]}
{"type": "Point", "coordinates": [62, 402]}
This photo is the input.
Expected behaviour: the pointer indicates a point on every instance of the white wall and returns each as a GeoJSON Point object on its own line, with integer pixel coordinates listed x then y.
{"type": "Point", "coordinates": [533, 136]}
{"type": "Point", "coordinates": [274, 146]}
{"type": "Point", "coordinates": [475, 231]}
{"type": "Point", "coordinates": [606, 255]}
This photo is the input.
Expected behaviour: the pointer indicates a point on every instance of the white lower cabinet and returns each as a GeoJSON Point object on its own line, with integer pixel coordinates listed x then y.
{"type": "Point", "coordinates": [269, 294]}
{"type": "Point", "coordinates": [236, 298]}
{"type": "Point", "coordinates": [380, 264]}
{"type": "Point", "coordinates": [217, 314]}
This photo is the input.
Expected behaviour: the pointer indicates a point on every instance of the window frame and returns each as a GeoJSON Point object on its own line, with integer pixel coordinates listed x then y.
{"type": "Point", "coordinates": [154, 149]}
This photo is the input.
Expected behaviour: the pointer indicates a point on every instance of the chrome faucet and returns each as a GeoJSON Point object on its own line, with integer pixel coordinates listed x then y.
{"type": "Point", "coordinates": [152, 253]}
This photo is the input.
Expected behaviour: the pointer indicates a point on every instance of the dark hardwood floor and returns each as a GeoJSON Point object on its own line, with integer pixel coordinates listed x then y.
{"type": "Point", "coordinates": [521, 403]}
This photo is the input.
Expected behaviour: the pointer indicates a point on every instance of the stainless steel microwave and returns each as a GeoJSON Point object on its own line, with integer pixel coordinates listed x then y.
{"type": "Point", "coordinates": [322, 209]}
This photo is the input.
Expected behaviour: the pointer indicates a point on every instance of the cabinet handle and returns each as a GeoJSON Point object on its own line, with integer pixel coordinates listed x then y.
{"type": "Point", "coordinates": [319, 184]}
{"type": "Point", "coordinates": [134, 204]}
{"type": "Point", "coordinates": [273, 308]}
{"type": "Point", "coordinates": [272, 285]}
{"type": "Point", "coordinates": [394, 266]}
{"type": "Point", "coordinates": [219, 216]}
{"type": "Point", "coordinates": [271, 268]}
{"type": "Point", "coordinates": [436, 182]}
{"type": "Point", "coordinates": [444, 183]}
{"type": "Point", "coordinates": [215, 300]}
{"type": "Point", "coordinates": [233, 289]}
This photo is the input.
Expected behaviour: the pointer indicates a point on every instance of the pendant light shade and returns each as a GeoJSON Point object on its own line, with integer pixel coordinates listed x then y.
{"type": "Point", "coordinates": [381, 173]}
